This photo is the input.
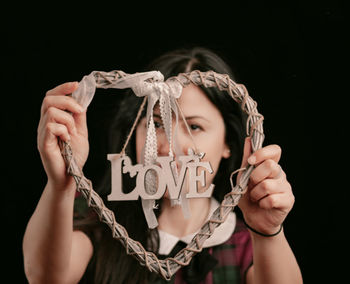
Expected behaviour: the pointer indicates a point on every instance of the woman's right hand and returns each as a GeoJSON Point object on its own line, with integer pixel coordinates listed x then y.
{"type": "Point", "coordinates": [56, 122]}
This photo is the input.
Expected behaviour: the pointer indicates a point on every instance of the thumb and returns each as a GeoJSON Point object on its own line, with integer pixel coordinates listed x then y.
{"type": "Point", "coordinates": [247, 151]}
{"type": "Point", "coordinates": [79, 118]}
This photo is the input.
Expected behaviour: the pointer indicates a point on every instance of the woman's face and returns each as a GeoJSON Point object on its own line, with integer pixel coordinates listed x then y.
{"type": "Point", "coordinates": [207, 128]}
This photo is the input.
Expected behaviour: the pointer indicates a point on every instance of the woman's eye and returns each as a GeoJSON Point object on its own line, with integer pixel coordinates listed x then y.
{"type": "Point", "coordinates": [157, 124]}
{"type": "Point", "coordinates": [195, 127]}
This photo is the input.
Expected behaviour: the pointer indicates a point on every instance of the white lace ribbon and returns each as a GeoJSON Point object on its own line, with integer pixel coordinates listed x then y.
{"type": "Point", "coordinates": [149, 84]}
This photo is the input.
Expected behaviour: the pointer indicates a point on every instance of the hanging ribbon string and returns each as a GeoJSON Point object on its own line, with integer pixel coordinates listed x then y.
{"type": "Point", "coordinates": [165, 94]}
{"type": "Point", "coordinates": [152, 85]}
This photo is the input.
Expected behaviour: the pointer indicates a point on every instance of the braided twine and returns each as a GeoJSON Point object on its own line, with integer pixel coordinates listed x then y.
{"type": "Point", "coordinates": [169, 266]}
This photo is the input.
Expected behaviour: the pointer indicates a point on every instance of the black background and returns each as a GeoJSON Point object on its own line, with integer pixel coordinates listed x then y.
{"type": "Point", "coordinates": [291, 57]}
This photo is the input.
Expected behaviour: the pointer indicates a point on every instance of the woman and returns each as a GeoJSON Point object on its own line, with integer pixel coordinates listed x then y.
{"type": "Point", "coordinates": [55, 253]}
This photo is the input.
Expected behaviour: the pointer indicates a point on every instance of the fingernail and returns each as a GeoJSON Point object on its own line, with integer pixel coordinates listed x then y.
{"type": "Point", "coordinates": [251, 160]}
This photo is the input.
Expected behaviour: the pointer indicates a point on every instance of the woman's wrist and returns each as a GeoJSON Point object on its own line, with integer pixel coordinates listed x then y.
{"type": "Point", "coordinates": [67, 186]}
{"type": "Point", "coordinates": [271, 233]}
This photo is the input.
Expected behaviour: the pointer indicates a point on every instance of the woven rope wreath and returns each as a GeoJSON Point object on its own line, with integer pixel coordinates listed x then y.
{"type": "Point", "coordinates": [169, 266]}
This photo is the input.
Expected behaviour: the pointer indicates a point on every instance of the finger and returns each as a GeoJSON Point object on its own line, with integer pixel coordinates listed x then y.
{"type": "Point", "coordinates": [62, 117]}
{"type": "Point", "coordinates": [272, 152]}
{"type": "Point", "coordinates": [267, 187]}
{"type": "Point", "coordinates": [267, 169]}
{"type": "Point", "coordinates": [61, 102]}
{"type": "Point", "coordinates": [63, 89]}
{"type": "Point", "coordinates": [247, 151]}
{"type": "Point", "coordinates": [56, 130]}
{"type": "Point", "coordinates": [282, 201]}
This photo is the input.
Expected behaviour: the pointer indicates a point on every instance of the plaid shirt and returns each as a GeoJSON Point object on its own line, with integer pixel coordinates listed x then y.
{"type": "Point", "coordinates": [234, 258]}
{"type": "Point", "coordinates": [229, 260]}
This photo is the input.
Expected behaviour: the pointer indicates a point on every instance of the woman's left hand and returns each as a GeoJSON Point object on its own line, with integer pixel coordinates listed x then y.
{"type": "Point", "coordinates": [269, 197]}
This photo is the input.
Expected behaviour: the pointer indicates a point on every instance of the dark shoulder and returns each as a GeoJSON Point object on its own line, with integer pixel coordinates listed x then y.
{"type": "Point", "coordinates": [240, 226]}
{"type": "Point", "coordinates": [240, 235]}
{"type": "Point", "coordinates": [236, 254]}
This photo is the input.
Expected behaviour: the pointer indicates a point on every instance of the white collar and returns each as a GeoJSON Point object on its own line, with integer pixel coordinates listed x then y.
{"type": "Point", "coordinates": [221, 234]}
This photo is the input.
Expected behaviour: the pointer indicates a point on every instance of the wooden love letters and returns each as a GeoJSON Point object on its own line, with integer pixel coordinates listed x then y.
{"type": "Point", "coordinates": [167, 177]}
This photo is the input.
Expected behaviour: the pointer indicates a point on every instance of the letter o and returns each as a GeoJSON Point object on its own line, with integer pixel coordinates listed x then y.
{"type": "Point", "coordinates": [141, 181]}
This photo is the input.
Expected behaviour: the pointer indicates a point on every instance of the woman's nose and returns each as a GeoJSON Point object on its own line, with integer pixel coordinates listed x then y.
{"type": "Point", "coordinates": [181, 141]}
{"type": "Point", "coordinates": [163, 144]}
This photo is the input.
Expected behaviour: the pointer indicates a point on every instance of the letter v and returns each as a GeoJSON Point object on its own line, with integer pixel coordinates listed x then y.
{"type": "Point", "coordinates": [174, 184]}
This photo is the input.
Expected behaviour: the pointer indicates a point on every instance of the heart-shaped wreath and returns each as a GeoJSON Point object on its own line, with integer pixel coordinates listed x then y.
{"type": "Point", "coordinates": [144, 84]}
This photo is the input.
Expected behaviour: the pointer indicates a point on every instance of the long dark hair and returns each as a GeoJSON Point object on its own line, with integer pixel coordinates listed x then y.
{"type": "Point", "coordinates": [110, 263]}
